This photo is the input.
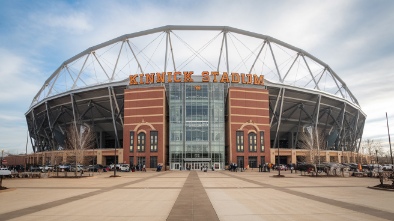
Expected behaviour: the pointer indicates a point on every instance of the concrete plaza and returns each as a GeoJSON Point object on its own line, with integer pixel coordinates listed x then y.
{"type": "Point", "coordinates": [195, 195]}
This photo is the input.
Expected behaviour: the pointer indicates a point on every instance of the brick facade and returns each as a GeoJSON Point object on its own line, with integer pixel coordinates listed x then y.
{"type": "Point", "coordinates": [144, 113]}
{"type": "Point", "coordinates": [248, 114]}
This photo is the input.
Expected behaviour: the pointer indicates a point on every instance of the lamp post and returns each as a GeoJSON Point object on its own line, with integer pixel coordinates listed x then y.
{"type": "Point", "coordinates": [391, 152]}
{"type": "Point", "coordinates": [1, 164]}
{"type": "Point", "coordinates": [377, 159]}
{"type": "Point", "coordinates": [278, 163]}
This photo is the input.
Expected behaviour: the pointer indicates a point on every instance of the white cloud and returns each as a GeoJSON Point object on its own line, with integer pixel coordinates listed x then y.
{"type": "Point", "coordinates": [16, 82]}
{"type": "Point", "coordinates": [73, 23]}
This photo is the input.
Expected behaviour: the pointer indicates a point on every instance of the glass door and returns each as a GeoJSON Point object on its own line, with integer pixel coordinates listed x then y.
{"type": "Point", "coordinates": [176, 166]}
{"type": "Point", "coordinates": [196, 166]}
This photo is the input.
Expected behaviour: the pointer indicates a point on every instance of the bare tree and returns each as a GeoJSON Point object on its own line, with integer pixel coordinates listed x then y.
{"type": "Point", "coordinates": [3, 154]}
{"type": "Point", "coordinates": [79, 138]}
{"type": "Point", "coordinates": [371, 148]}
{"type": "Point", "coordinates": [313, 140]}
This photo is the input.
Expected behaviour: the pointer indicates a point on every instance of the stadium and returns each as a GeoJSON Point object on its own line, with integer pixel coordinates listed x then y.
{"type": "Point", "coordinates": [187, 97]}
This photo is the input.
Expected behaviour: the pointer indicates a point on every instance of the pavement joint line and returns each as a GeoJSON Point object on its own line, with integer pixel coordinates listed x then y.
{"type": "Point", "coordinates": [354, 207]}
{"type": "Point", "coordinates": [193, 202]}
{"type": "Point", "coordinates": [33, 209]}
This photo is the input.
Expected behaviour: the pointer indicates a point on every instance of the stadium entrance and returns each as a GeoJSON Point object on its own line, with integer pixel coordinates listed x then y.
{"type": "Point", "coordinates": [197, 164]}
{"type": "Point", "coordinates": [196, 125]}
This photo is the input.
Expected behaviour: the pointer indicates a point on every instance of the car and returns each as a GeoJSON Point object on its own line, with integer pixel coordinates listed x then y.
{"type": "Point", "coordinates": [35, 168]}
{"type": "Point", "coordinates": [124, 167]}
{"type": "Point", "coordinates": [79, 168]}
{"type": "Point", "coordinates": [387, 166]}
{"type": "Point", "coordinates": [98, 167]}
{"type": "Point", "coordinates": [5, 172]}
{"type": "Point", "coordinates": [111, 166]}
{"type": "Point", "coordinates": [106, 168]}
{"type": "Point", "coordinates": [281, 167]}
{"type": "Point", "coordinates": [48, 168]}
{"type": "Point", "coordinates": [64, 167]}
{"type": "Point", "coordinates": [376, 167]}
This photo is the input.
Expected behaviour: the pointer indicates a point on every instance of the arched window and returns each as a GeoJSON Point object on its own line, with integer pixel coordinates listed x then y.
{"type": "Point", "coordinates": [141, 142]}
{"type": "Point", "coordinates": [252, 142]}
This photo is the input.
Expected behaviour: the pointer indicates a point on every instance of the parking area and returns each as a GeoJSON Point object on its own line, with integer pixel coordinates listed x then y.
{"type": "Point", "coordinates": [232, 195]}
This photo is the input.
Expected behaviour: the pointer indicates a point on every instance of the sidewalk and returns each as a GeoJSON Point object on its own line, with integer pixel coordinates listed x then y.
{"type": "Point", "coordinates": [228, 196]}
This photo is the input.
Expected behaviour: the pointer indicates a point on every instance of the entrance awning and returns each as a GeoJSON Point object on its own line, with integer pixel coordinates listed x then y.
{"type": "Point", "coordinates": [197, 159]}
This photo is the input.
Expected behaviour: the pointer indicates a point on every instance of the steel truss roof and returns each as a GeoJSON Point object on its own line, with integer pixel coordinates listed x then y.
{"type": "Point", "coordinates": [194, 48]}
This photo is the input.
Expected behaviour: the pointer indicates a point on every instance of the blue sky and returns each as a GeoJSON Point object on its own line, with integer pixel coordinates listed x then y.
{"type": "Point", "coordinates": [356, 38]}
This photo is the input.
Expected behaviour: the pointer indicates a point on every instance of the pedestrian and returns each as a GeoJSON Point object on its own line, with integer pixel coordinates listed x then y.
{"type": "Point", "coordinates": [143, 168]}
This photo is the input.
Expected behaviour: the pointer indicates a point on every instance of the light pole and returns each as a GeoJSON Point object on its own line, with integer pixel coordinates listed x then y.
{"type": "Point", "coordinates": [377, 160]}
{"type": "Point", "coordinates": [391, 152]}
{"type": "Point", "coordinates": [1, 164]}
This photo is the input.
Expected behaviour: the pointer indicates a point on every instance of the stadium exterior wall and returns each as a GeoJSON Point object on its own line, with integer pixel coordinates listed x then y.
{"type": "Point", "coordinates": [197, 118]}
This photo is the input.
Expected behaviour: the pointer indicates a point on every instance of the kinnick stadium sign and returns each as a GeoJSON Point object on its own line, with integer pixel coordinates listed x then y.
{"type": "Point", "coordinates": [186, 76]}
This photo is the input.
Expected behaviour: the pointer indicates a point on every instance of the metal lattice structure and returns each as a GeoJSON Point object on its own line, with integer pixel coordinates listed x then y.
{"type": "Point", "coordinates": [304, 91]}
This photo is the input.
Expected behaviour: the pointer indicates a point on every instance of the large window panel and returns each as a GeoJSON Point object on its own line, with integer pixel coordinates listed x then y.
{"type": "Point", "coordinates": [131, 141]}
{"type": "Point", "coordinates": [240, 141]}
{"type": "Point", "coordinates": [252, 142]}
{"type": "Point", "coordinates": [262, 145]}
{"type": "Point", "coordinates": [141, 142]}
{"type": "Point", "coordinates": [153, 141]}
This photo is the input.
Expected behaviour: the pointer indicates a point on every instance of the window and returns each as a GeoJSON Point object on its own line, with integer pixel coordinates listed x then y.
{"type": "Point", "coordinates": [262, 148]}
{"type": "Point", "coordinates": [240, 141]}
{"type": "Point", "coordinates": [141, 142]}
{"type": "Point", "coordinates": [153, 141]}
{"type": "Point", "coordinates": [252, 142]}
{"type": "Point", "coordinates": [153, 162]}
{"type": "Point", "coordinates": [131, 141]}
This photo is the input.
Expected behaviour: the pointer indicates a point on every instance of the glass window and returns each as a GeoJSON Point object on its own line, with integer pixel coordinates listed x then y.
{"type": "Point", "coordinates": [262, 148]}
{"type": "Point", "coordinates": [196, 122]}
{"type": "Point", "coordinates": [141, 142]}
{"type": "Point", "coordinates": [240, 141]}
{"type": "Point", "coordinates": [153, 141]}
{"type": "Point", "coordinates": [131, 141]}
{"type": "Point", "coordinates": [252, 142]}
